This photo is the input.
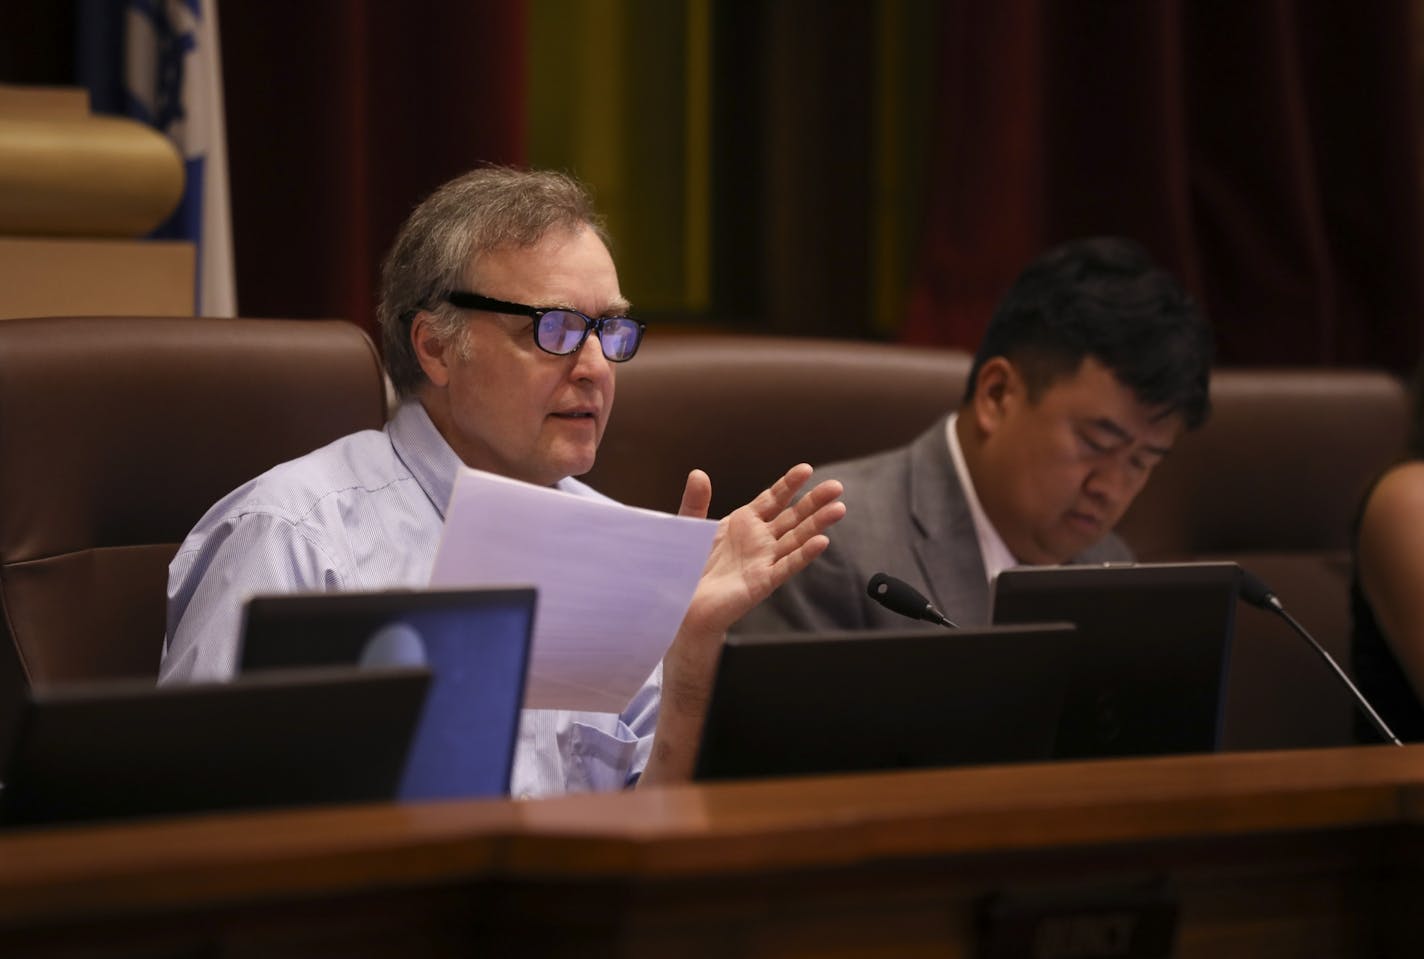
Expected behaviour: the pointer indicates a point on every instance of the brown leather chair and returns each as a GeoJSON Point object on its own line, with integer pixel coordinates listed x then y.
{"type": "Point", "coordinates": [116, 435]}
{"type": "Point", "coordinates": [747, 408]}
{"type": "Point", "coordinates": [1272, 480]}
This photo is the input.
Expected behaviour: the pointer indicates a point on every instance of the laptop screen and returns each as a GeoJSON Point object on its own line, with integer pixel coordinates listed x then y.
{"type": "Point", "coordinates": [804, 703]}
{"type": "Point", "coordinates": [1154, 641]}
{"type": "Point", "coordinates": [474, 641]}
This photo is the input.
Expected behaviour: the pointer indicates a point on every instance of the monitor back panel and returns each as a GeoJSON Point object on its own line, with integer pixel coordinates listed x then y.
{"type": "Point", "coordinates": [791, 704]}
{"type": "Point", "coordinates": [475, 642]}
{"type": "Point", "coordinates": [126, 749]}
{"type": "Point", "coordinates": [1155, 643]}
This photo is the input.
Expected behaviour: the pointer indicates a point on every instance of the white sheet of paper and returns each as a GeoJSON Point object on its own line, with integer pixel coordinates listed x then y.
{"type": "Point", "coordinates": [614, 581]}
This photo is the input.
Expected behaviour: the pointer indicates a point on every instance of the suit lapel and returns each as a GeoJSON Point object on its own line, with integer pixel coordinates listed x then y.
{"type": "Point", "coordinates": [945, 544]}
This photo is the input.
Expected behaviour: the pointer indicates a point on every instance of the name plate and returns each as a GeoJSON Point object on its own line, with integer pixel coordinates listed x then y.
{"type": "Point", "coordinates": [1127, 921]}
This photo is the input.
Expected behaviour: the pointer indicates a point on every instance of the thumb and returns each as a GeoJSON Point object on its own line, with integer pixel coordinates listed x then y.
{"type": "Point", "coordinates": [696, 495]}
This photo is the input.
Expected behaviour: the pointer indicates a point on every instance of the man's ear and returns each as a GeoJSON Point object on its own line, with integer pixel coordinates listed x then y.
{"type": "Point", "coordinates": [431, 351]}
{"type": "Point", "coordinates": [997, 387]}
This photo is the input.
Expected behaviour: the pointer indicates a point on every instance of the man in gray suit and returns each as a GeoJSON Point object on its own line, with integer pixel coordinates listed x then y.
{"type": "Point", "coordinates": [1093, 365]}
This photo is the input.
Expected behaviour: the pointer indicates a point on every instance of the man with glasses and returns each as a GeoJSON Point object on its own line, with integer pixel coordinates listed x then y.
{"type": "Point", "coordinates": [1094, 363]}
{"type": "Point", "coordinates": [502, 319]}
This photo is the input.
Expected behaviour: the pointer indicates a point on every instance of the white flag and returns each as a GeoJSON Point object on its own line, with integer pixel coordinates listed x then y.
{"type": "Point", "coordinates": [173, 71]}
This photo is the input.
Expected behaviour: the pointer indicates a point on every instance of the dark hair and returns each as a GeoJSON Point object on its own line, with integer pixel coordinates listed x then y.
{"type": "Point", "coordinates": [1104, 297]}
{"type": "Point", "coordinates": [487, 209]}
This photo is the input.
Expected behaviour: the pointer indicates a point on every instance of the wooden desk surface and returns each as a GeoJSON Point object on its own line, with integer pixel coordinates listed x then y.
{"type": "Point", "coordinates": [1349, 811]}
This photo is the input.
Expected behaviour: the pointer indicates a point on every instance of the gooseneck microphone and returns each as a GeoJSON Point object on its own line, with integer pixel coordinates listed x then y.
{"type": "Point", "coordinates": [1255, 592]}
{"type": "Point", "coordinates": [900, 597]}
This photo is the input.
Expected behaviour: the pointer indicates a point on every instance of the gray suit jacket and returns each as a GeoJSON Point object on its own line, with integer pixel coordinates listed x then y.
{"type": "Point", "coordinates": [906, 515]}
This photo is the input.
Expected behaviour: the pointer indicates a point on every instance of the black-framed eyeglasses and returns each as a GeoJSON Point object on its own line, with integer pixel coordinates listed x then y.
{"type": "Point", "coordinates": [562, 331]}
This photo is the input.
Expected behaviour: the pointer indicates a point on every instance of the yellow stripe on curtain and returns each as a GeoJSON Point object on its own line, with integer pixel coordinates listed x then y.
{"type": "Point", "coordinates": [619, 95]}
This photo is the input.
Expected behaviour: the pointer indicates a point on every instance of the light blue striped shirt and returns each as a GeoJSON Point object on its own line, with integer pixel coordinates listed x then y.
{"type": "Point", "coordinates": [365, 513]}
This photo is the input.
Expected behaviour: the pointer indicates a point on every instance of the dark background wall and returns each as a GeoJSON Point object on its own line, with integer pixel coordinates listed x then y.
{"type": "Point", "coordinates": [844, 167]}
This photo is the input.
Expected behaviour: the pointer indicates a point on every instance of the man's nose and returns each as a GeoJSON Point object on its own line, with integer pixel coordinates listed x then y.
{"type": "Point", "coordinates": [589, 361]}
{"type": "Point", "coordinates": [1111, 482]}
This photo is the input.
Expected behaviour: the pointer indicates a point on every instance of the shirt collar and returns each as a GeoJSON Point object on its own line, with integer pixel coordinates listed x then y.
{"type": "Point", "coordinates": [424, 452]}
{"type": "Point", "coordinates": [992, 548]}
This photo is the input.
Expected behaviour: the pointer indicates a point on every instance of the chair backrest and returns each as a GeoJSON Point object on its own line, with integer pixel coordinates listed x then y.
{"type": "Point", "coordinates": [1273, 481]}
{"type": "Point", "coordinates": [116, 435]}
{"type": "Point", "coordinates": [1281, 464]}
{"type": "Point", "coordinates": [746, 408]}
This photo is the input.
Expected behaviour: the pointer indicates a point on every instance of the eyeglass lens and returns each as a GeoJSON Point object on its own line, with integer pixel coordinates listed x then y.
{"type": "Point", "coordinates": [563, 331]}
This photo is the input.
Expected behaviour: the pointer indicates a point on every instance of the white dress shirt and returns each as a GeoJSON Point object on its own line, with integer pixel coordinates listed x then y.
{"type": "Point", "coordinates": [366, 513]}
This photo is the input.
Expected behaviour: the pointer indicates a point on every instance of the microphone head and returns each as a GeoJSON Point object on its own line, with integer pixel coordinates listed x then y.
{"type": "Point", "coordinates": [897, 596]}
{"type": "Point", "coordinates": [1254, 591]}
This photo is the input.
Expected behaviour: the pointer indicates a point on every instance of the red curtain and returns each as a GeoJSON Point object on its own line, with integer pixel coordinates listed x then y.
{"type": "Point", "coordinates": [1264, 150]}
{"type": "Point", "coordinates": [342, 115]}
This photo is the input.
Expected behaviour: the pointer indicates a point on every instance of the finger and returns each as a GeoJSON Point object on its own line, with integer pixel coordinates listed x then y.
{"type": "Point", "coordinates": [775, 497]}
{"type": "Point", "coordinates": [696, 495]}
{"type": "Point", "coordinates": [810, 527]}
{"type": "Point", "coordinates": [827, 491]}
{"type": "Point", "coordinates": [798, 559]}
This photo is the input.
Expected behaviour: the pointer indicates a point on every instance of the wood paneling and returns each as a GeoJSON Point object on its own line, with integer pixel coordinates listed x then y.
{"type": "Point", "coordinates": [1282, 854]}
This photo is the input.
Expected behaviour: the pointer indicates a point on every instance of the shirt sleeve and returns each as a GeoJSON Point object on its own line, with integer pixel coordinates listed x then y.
{"type": "Point", "coordinates": [569, 752]}
{"type": "Point", "coordinates": [641, 721]}
{"type": "Point", "coordinates": [219, 567]}
{"type": "Point", "coordinates": [602, 754]}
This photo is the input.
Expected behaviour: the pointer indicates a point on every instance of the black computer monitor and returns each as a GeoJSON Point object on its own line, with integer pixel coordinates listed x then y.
{"type": "Point", "coordinates": [802, 703]}
{"type": "Point", "coordinates": [475, 642]}
{"type": "Point", "coordinates": [127, 749]}
{"type": "Point", "coordinates": [1155, 642]}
